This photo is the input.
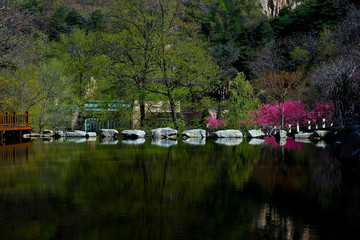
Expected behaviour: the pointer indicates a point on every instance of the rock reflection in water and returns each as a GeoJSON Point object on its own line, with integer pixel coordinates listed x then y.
{"type": "Point", "coordinates": [195, 141]}
{"type": "Point", "coordinates": [163, 142]}
{"type": "Point", "coordinates": [256, 141]}
{"type": "Point", "coordinates": [302, 140]}
{"type": "Point", "coordinates": [229, 141]}
{"type": "Point", "coordinates": [322, 144]}
{"type": "Point", "coordinates": [108, 140]}
{"type": "Point", "coordinates": [47, 140]}
{"type": "Point", "coordinates": [281, 141]}
{"type": "Point", "coordinates": [76, 139]}
{"type": "Point", "coordinates": [91, 139]}
{"type": "Point", "coordinates": [134, 141]}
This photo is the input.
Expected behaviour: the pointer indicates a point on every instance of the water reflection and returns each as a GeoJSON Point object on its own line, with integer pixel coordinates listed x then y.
{"type": "Point", "coordinates": [322, 144]}
{"type": "Point", "coordinates": [80, 191]}
{"type": "Point", "coordinates": [75, 139]}
{"type": "Point", "coordinates": [134, 141]}
{"type": "Point", "coordinates": [256, 141]}
{"type": "Point", "coordinates": [163, 142]}
{"type": "Point", "coordinates": [228, 141]}
{"type": "Point", "coordinates": [108, 140]}
{"type": "Point", "coordinates": [15, 152]}
{"type": "Point", "coordinates": [273, 225]}
{"type": "Point", "coordinates": [91, 139]}
{"type": "Point", "coordinates": [195, 141]}
{"type": "Point", "coordinates": [287, 143]}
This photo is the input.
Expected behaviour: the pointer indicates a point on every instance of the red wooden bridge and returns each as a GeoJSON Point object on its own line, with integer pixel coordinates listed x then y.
{"type": "Point", "coordinates": [14, 124]}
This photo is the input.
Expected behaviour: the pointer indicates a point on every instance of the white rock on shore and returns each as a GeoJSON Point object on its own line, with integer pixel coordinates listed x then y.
{"type": "Point", "coordinates": [230, 133]}
{"type": "Point", "coordinates": [164, 133]}
{"type": "Point", "coordinates": [133, 134]}
{"type": "Point", "coordinates": [194, 133]}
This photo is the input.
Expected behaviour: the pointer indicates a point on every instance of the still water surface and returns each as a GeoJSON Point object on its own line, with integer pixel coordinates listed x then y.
{"type": "Point", "coordinates": [212, 190]}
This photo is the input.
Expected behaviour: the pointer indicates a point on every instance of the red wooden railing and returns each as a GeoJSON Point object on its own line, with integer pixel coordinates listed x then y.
{"type": "Point", "coordinates": [14, 120]}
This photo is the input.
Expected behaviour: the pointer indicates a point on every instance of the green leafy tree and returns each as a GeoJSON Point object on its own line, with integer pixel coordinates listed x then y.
{"type": "Point", "coordinates": [240, 103]}
{"type": "Point", "coordinates": [160, 52]}
{"type": "Point", "coordinates": [53, 108]}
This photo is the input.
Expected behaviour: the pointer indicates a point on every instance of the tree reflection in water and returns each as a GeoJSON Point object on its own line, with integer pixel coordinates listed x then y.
{"type": "Point", "coordinates": [145, 191]}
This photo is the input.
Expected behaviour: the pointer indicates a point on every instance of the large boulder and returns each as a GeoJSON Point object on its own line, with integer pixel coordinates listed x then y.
{"type": "Point", "coordinates": [108, 133]}
{"type": "Point", "coordinates": [256, 133]}
{"type": "Point", "coordinates": [133, 134]}
{"type": "Point", "coordinates": [230, 133]}
{"type": "Point", "coordinates": [91, 134]}
{"type": "Point", "coordinates": [194, 133]}
{"type": "Point", "coordinates": [164, 133]}
{"type": "Point", "coordinates": [48, 132]}
{"type": "Point", "coordinates": [320, 134]}
{"type": "Point", "coordinates": [76, 133]}
{"type": "Point", "coordinates": [59, 134]}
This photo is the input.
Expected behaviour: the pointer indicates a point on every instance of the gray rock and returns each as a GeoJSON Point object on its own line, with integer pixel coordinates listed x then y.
{"type": "Point", "coordinates": [133, 134]}
{"type": "Point", "coordinates": [91, 134]}
{"type": "Point", "coordinates": [164, 133]}
{"type": "Point", "coordinates": [195, 141]}
{"type": "Point", "coordinates": [256, 141]}
{"type": "Point", "coordinates": [163, 142]}
{"type": "Point", "coordinates": [112, 133]}
{"type": "Point", "coordinates": [194, 133]}
{"type": "Point", "coordinates": [229, 141]}
{"type": "Point", "coordinates": [230, 133]}
{"type": "Point", "coordinates": [256, 133]}
{"type": "Point", "coordinates": [134, 141]}
{"type": "Point", "coordinates": [321, 134]}
{"type": "Point", "coordinates": [76, 133]}
{"type": "Point", "coordinates": [47, 131]}
{"type": "Point", "coordinates": [59, 134]}
{"type": "Point", "coordinates": [281, 134]}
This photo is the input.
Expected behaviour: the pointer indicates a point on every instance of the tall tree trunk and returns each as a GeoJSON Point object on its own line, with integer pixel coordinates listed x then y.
{"type": "Point", "coordinates": [142, 110]}
{"type": "Point", "coordinates": [173, 110]}
{"type": "Point", "coordinates": [282, 114]}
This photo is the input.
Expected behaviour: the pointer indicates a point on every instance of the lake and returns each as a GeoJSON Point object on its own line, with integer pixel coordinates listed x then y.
{"type": "Point", "coordinates": [175, 190]}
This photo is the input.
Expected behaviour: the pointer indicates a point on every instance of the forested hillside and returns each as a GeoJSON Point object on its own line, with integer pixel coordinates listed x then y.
{"type": "Point", "coordinates": [228, 55]}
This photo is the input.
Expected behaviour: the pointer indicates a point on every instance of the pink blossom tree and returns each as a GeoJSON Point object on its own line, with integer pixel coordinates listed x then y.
{"type": "Point", "coordinates": [322, 110]}
{"type": "Point", "coordinates": [292, 112]}
{"type": "Point", "coordinates": [214, 124]}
